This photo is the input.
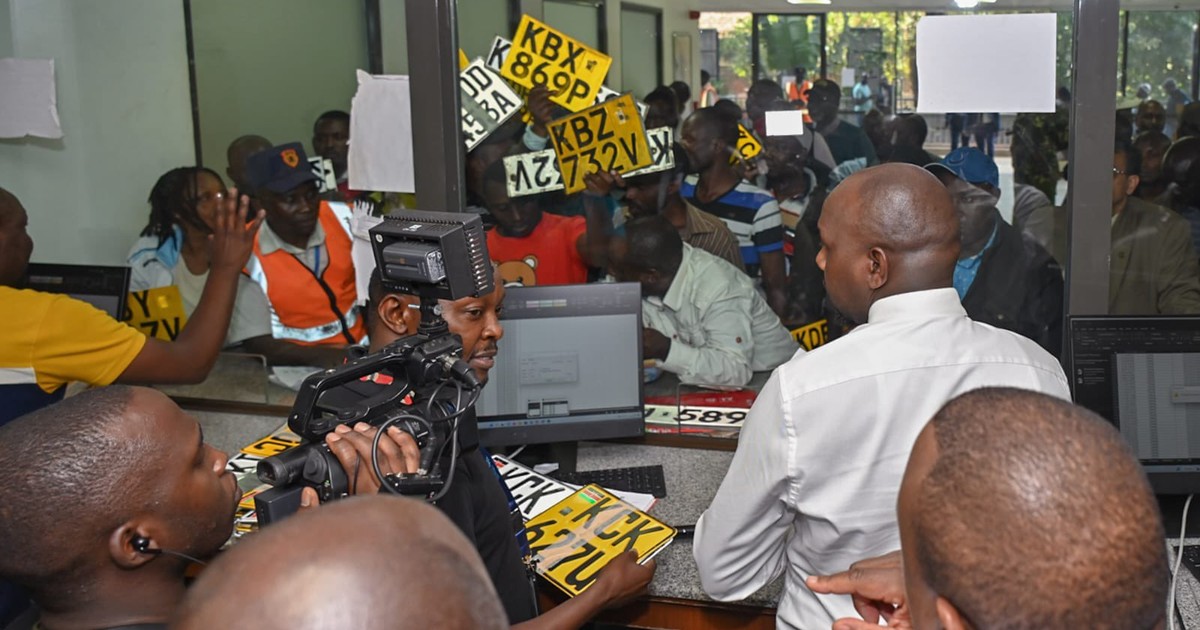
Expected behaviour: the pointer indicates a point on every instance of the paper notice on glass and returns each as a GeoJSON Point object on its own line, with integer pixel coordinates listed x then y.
{"type": "Point", "coordinates": [848, 78]}
{"type": "Point", "coordinates": [28, 102]}
{"type": "Point", "coordinates": [361, 253]}
{"type": "Point", "coordinates": [986, 63]}
{"type": "Point", "coordinates": [786, 123]}
{"type": "Point", "coordinates": [381, 151]}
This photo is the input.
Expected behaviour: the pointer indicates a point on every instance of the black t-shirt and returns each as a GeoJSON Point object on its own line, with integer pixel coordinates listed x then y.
{"type": "Point", "coordinates": [478, 505]}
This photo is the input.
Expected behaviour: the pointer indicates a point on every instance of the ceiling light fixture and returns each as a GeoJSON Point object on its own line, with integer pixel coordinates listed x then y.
{"type": "Point", "coordinates": [810, 1]}
{"type": "Point", "coordinates": [966, 4]}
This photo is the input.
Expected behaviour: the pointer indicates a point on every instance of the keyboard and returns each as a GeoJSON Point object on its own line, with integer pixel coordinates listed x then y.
{"type": "Point", "coordinates": [1191, 558]}
{"type": "Point", "coordinates": [643, 479]}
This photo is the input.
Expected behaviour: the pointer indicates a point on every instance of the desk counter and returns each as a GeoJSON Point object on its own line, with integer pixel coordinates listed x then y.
{"type": "Point", "coordinates": [692, 475]}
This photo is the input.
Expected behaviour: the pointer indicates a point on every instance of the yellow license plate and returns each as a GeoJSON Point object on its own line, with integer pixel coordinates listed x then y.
{"type": "Point", "coordinates": [607, 137]}
{"type": "Point", "coordinates": [541, 55]}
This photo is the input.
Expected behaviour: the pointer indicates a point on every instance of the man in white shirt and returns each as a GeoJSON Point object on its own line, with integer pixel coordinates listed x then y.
{"type": "Point", "coordinates": [814, 482]}
{"type": "Point", "coordinates": [970, 524]}
{"type": "Point", "coordinates": [703, 317]}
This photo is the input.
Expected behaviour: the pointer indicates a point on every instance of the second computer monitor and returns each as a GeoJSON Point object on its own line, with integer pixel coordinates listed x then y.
{"type": "Point", "coordinates": [106, 288]}
{"type": "Point", "coordinates": [1143, 374]}
{"type": "Point", "coordinates": [568, 368]}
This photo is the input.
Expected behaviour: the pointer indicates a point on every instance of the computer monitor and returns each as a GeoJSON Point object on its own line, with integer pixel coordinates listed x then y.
{"type": "Point", "coordinates": [568, 368]}
{"type": "Point", "coordinates": [1143, 374]}
{"type": "Point", "coordinates": [106, 288]}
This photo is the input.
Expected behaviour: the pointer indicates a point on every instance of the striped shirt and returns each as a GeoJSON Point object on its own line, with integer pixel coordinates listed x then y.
{"type": "Point", "coordinates": [749, 212]}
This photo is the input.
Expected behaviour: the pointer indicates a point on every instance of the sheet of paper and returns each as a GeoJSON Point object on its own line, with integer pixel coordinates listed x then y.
{"type": "Point", "coordinates": [361, 252]}
{"type": "Point", "coordinates": [381, 152]}
{"type": "Point", "coordinates": [291, 376]}
{"type": "Point", "coordinates": [28, 101]}
{"type": "Point", "coordinates": [786, 123]}
{"type": "Point", "coordinates": [848, 78]}
{"type": "Point", "coordinates": [986, 63]}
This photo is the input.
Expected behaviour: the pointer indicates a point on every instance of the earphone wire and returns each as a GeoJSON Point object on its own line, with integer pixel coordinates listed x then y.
{"type": "Point", "coordinates": [168, 552]}
{"type": "Point", "coordinates": [1178, 561]}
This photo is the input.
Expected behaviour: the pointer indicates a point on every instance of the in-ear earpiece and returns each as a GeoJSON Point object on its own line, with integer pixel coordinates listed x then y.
{"type": "Point", "coordinates": [141, 544]}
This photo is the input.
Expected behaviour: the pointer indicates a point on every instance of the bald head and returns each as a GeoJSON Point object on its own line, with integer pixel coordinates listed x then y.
{"type": "Point", "coordinates": [886, 230]}
{"type": "Point", "coordinates": [369, 562]}
{"type": "Point", "coordinates": [237, 153]}
{"type": "Point", "coordinates": [1023, 511]}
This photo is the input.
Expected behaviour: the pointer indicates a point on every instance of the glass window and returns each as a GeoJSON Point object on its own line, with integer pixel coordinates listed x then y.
{"type": "Point", "coordinates": [479, 22]}
{"type": "Point", "coordinates": [581, 20]}
{"type": "Point", "coordinates": [273, 82]}
{"type": "Point", "coordinates": [641, 50]}
{"type": "Point", "coordinates": [787, 44]}
{"type": "Point", "coordinates": [734, 73]}
{"type": "Point", "coordinates": [1160, 57]}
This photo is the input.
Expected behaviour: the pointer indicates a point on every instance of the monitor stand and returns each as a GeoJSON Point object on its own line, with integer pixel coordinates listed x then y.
{"type": "Point", "coordinates": [565, 454]}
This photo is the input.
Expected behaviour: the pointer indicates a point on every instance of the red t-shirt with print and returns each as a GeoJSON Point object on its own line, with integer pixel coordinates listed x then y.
{"type": "Point", "coordinates": [547, 256]}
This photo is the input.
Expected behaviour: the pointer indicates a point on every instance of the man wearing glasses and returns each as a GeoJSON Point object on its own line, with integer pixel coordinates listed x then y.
{"type": "Point", "coordinates": [1153, 268]}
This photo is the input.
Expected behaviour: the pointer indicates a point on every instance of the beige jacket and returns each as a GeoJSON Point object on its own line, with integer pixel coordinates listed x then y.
{"type": "Point", "coordinates": [1153, 268]}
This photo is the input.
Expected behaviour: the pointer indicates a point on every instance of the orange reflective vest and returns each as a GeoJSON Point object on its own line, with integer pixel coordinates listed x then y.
{"type": "Point", "coordinates": [306, 308]}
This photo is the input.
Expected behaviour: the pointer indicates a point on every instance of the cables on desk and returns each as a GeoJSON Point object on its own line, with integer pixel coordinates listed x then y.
{"type": "Point", "coordinates": [1175, 566]}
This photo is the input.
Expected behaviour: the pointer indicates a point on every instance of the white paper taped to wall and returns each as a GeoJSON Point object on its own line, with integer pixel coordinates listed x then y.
{"type": "Point", "coordinates": [28, 102]}
{"type": "Point", "coordinates": [786, 123]}
{"type": "Point", "coordinates": [986, 63]}
{"type": "Point", "coordinates": [381, 151]}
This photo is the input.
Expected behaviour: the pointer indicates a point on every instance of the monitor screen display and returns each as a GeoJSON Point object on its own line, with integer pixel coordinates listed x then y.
{"type": "Point", "coordinates": [1143, 374]}
{"type": "Point", "coordinates": [568, 368]}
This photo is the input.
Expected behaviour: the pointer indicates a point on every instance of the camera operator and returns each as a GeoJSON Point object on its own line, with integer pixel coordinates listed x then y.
{"type": "Point", "coordinates": [477, 501]}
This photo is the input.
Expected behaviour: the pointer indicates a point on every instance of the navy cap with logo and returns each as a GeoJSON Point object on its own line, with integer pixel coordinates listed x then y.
{"type": "Point", "coordinates": [279, 169]}
{"type": "Point", "coordinates": [970, 165]}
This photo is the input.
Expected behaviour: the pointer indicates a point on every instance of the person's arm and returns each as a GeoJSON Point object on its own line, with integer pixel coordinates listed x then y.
{"type": "Point", "coordinates": [774, 279]}
{"type": "Point", "coordinates": [592, 245]}
{"type": "Point", "coordinates": [619, 583]}
{"type": "Point", "coordinates": [189, 358]}
{"type": "Point", "coordinates": [1179, 274]}
{"type": "Point", "coordinates": [725, 356]}
{"type": "Point", "coordinates": [283, 352]}
{"type": "Point", "coordinates": [768, 240]}
{"type": "Point", "coordinates": [877, 587]}
{"type": "Point", "coordinates": [741, 539]}
{"type": "Point", "coordinates": [351, 446]}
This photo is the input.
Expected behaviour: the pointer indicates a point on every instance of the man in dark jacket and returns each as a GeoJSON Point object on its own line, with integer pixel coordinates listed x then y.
{"type": "Point", "coordinates": [1003, 277]}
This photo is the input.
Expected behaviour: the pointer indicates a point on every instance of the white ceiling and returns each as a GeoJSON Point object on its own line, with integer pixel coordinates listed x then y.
{"type": "Point", "coordinates": [781, 6]}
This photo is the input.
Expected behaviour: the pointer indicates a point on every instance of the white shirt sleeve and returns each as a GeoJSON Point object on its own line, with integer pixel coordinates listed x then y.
{"type": "Point", "coordinates": [251, 313]}
{"type": "Point", "coordinates": [718, 354]}
{"type": "Point", "coordinates": [741, 539]}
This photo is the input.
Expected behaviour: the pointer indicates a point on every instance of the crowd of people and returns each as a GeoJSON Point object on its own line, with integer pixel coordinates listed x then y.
{"type": "Point", "coordinates": [938, 308]}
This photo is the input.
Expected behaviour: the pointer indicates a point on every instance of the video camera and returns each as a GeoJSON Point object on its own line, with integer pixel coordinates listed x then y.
{"type": "Point", "coordinates": [433, 255]}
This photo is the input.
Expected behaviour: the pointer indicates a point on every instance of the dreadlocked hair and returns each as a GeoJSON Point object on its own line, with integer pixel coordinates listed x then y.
{"type": "Point", "coordinates": [173, 201]}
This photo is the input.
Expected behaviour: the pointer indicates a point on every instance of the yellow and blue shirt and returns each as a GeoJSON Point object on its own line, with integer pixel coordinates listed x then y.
{"type": "Point", "coordinates": [49, 340]}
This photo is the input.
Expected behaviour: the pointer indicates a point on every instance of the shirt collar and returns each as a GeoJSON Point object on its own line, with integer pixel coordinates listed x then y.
{"type": "Point", "coordinates": [269, 241]}
{"type": "Point", "coordinates": [973, 261]}
{"type": "Point", "coordinates": [924, 304]}
{"type": "Point", "coordinates": [690, 225]}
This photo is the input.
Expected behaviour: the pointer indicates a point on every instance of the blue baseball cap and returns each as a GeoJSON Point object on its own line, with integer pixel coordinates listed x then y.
{"type": "Point", "coordinates": [279, 169]}
{"type": "Point", "coordinates": [970, 165]}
